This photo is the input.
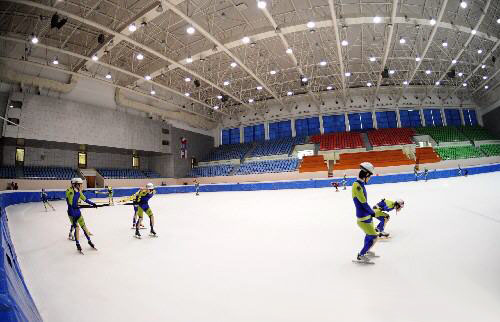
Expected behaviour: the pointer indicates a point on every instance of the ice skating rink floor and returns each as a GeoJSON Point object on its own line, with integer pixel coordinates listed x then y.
{"type": "Point", "coordinates": [272, 256]}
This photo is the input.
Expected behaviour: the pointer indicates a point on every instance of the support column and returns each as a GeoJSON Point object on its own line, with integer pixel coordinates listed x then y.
{"type": "Point", "coordinates": [266, 130]}
{"type": "Point", "coordinates": [347, 126]}
{"type": "Point", "coordinates": [422, 118]}
{"type": "Point", "coordinates": [443, 117]}
{"type": "Point", "coordinates": [374, 119]}
{"type": "Point", "coordinates": [294, 132]}
{"type": "Point", "coordinates": [321, 128]}
{"type": "Point", "coordinates": [479, 116]}
{"type": "Point", "coordinates": [242, 134]}
{"type": "Point", "coordinates": [461, 111]}
{"type": "Point", "coordinates": [217, 136]}
{"type": "Point", "coordinates": [398, 118]}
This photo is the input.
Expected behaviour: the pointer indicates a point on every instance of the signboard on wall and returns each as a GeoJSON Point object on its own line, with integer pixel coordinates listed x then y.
{"type": "Point", "coordinates": [304, 153]}
{"type": "Point", "coordinates": [184, 143]}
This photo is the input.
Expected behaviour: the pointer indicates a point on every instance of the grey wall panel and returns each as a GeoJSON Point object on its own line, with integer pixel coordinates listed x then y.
{"type": "Point", "coordinates": [4, 98]}
{"type": "Point", "coordinates": [163, 164]}
{"type": "Point", "coordinates": [491, 121]}
{"type": "Point", "coordinates": [41, 157]}
{"type": "Point", "coordinates": [8, 155]}
{"type": "Point", "coordinates": [52, 119]}
{"type": "Point", "coordinates": [198, 146]}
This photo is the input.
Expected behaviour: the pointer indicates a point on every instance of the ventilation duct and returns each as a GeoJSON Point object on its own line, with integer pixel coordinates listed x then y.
{"type": "Point", "coordinates": [188, 118]}
{"type": "Point", "coordinates": [9, 75]}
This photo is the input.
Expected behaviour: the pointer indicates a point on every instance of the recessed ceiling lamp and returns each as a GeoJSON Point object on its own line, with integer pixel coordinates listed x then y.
{"type": "Point", "coordinates": [437, 83]}
{"type": "Point", "coordinates": [216, 107]}
{"type": "Point", "coordinates": [405, 83]}
{"type": "Point", "coordinates": [417, 59]}
{"type": "Point", "coordinates": [483, 66]}
{"type": "Point", "coordinates": [219, 97]}
{"type": "Point", "coordinates": [479, 51]}
{"type": "Point", "coordinates": [445, 44]}
{"type": "Point", "coordinates": [392, 71]}
{"type": "Point", "coordinates": [304, 79]}
{"type": "Point", "coordinates": [460, 74]}
{"type": "Point", "coordinates": [486, 87]}
{"type": "Point", "coordinates": [485, 77]}
{"type": "Point", "coordinates": [428, 72]}
{"type": "Point", "coordinates": [473, 31]}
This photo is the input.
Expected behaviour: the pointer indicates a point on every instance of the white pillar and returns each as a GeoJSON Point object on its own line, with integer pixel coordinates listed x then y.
{"type": "Point", "coordinates": [479, 116]}
{"type": "Point", "coordinates": [398, 118]}
{"type": "Point", "coordinates": [321, 128]}
{"type": "Point", "coordinates": [374, 119]}
{"type": "Point", "coordinates": [266, 130]}
{"type": "Point", "coordinates": [461, 111]}
{"type": "Point", "coordinates": [443, 117]}
{"type": "Point", "coordinates": [218, 136]}
{"type": "Point", "coordinates": [242, 134]}
{"type": "Point", "coordinates": [294, 132]}
{"type": "Point", "coordinates": [347, 126]}
{"type": "Point", "coordinates": [422, 119]}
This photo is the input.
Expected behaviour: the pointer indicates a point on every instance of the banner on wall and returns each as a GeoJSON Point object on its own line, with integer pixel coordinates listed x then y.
{"type": "Point", "coordinates": [183, 148]}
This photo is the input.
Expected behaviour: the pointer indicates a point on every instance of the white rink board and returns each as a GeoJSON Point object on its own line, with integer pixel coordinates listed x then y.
{"type": "Point", "coordinates": [271, 256]}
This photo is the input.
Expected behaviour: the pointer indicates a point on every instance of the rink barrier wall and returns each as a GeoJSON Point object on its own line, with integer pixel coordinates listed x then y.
{"type": "Point", "coordinates": [16, 303]}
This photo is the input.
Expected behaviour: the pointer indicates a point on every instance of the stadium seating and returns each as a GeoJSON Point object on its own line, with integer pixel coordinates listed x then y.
{"type": "Point", "coordinates": [151, 174]}
{"type": "Point", "coordinates": [387, 137]}
{"type": "Point", "coordinates": [121, 173]}
{"type": "Point", "coordinates": [210, 171]}
{"type": "Point", "coordinates": [7, 172]}
{"type": "Point", "coordinates": [477, 133]}
{"type": "Point", "coordinates": [490, 150]}
{"type": "Point", "coordinates": [443, 134]}
{"type": "Point", "coordinates": [337, 141]}
{"type": "Point", "coordinates": [460, 152]}
{"type": "Point", "coordinates": [49, 173]}
{"type": "Point", "coordinates": [277, 146]}
{"type": "Point", "coordinates": [313, 163]}
{"type": "Point", "coordinates": [268, 166]}
{"type": "Point", "coordinates": [228, 152]}
{"type": "Point", "coordinates": [426, 155]}
{"type": "Point", "coordinates": [377, 158]}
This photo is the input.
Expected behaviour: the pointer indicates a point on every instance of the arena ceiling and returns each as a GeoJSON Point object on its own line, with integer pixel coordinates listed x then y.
{"type": "Point", "coordinates": [234, 55]}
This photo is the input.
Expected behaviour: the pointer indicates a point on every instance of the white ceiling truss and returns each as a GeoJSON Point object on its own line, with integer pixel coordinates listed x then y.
{"type": "Point", "coordinates": [264, 74]}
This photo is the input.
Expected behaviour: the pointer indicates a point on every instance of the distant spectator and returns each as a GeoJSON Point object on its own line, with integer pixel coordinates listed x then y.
{"type": "Point", "coordinates": [16, 186]}
{"type": "Point", "coordinates": [12, 185]}
{"type": "Point", "coordinates": [163, 184]}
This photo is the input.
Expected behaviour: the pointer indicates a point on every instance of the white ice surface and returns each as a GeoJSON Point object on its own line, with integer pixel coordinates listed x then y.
{"type": "Point", "coordinates": [270, 256]}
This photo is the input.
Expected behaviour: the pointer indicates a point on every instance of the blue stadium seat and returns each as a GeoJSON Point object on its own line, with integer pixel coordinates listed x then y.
{"type": "Point", "coordinates": [109, 173]}
{"type": "Point", "coordinates": [211, 171]}
{"type": "Point", "coordinates": [268, 166]}
{"type": "Point", "coordinates": [228, 152]}
{"type": "Point", "coordinates": [277, 146]}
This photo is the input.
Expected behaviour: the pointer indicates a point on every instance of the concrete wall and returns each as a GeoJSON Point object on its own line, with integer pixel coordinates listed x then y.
{"type": "Point", "coordinates": [162, 164]}
{"type": "Point", "coordinates": [51, 119]}
{"type": "Point", "coordinates": [4, 98]}
{"type": "Point", "coordinates": [491, 121]}
{"type": "Point", "coordinates": [198, 146]}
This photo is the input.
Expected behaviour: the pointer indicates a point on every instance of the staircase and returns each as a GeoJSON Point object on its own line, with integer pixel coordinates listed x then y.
{"type": "Point", "coordinates": [366, 142]}
{"type": "Point", "coordinates": [313, 163]}
{"type": "Point", "coordinates": [426, 155]}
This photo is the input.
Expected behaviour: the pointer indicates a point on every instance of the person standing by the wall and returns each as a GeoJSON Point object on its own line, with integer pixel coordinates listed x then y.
{"type": "Point", "coordinates": [45, 199]}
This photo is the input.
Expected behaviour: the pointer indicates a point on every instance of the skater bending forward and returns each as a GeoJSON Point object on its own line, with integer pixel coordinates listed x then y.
{"type": "Point", "coordinates": [381, 213]}
{"type": "Point", "coordinates": [73, 195]}
{"type": "Point", "coordinates": [364, 212]}
{"type": "Point", "coordinates": [141, 200]}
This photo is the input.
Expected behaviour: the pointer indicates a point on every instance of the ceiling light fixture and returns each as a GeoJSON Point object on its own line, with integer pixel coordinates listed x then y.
{"type": "Point", "coordinates": [216, 107]}
{"type": "Point", "coordinates": [132, 27]}
{"type": "Point", "coordinates": [187, 94]}
{"type": "Point", "coordinates": [392, 71]}
{"type": "Point", "coordinates": [486, 87]}
{"type": "Point", "coordinates": [322, 63]}
{"type": "Point", "coordinates": [261, 4]}
{"type": "Point", "coordinates": [190, 30]}
{"type": "Point", "coordinates": [273, 72]}
{"type": "Point", "coordinates": [304, 79]}
{"type": "Point", "coordinates": [347, 74]}
{"type": "Point", "coordinates": [479, 51]}
{"type": "Point", "coordinates": [55, 61]}
{"type": "Point", "coordinates": [289, 51]}
{"type": "Point", "coordinates": [372, 59]}
{"type": "Point", "coordinates": [464, 84]}
{"type": "Point", "coordinates": [454, 61]}
{"type": "Point", "coordinates": [108, 76]}
{"type": "Point", "coordinates": [417, 59]}
{"type": "Point", "coordinates": [233, 65]}
{"type": "Point", "coordinates": [34, 39]}
{"type": "Point", "coordinates": [153, 92]}
{"type": "Point", "coordinates": [405, 83]}
{"type": "Point", "coordinates": [219, 97]}
{"type": "Point", "coordinates": [437, 83]}
{"type": "Point", "coordinates": [94, 57]}
{"type": "Point", "coordinates": [250, 100]}
{"type": "Point", "coordinates": [460, 74]}
{"type": "Point", "coordinates": [344, 43]}
{"type": "Point", "coordinates": [259, 88]}
{"type": "Point", "coordinates": [432, 22]}
{"type": "Point", "coordinates": [289, 93]}
{"type": "Point", "coordinates": [226, 83]}
{"type": "Point", "coordinates": [139, 56]}
{"type": "Point", "coordinates": [147, 77]}
{"type": "Point", "coordinates": [428, 72]}
{"type": "Point", "coordinates": [473, 31]}
{"type": "Point", "coordinates": [311, 24]}
{"type": "Point", "coordinates": [369, 84]}
{"type": "Point", "coordinates": [485, 77]}
{"type": "Point", "coordinates": [483, 66]}
{"type": "Point", "coordinates": [245, 40]}
{"type": "Point", "coordinates": [445, 44]}
{"type": "Point", "coordinates": [187, 79]}
{"type": "Point", "coordinates": [402, 40]}
{"type": "Point", "coordinates": [463, 4]}
{"type": "Point", "coordinates": [377, 19]}
{"type": "Point", "coordinates": [329, 88]}
{"type": "Point", "coordinates": [189, 60]}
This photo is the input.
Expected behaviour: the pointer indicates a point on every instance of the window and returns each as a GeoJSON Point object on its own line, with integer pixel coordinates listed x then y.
{"type": "Point", "coordinates": [20, 156]}
{"type": "Point", "coordinates": [135, 161]}
{"type": "Point", "coordinates": [15, 104]}
{"type": "Point", "coordinates": [13, 120]}
{"type": "Point", "coordinates": [165, 142]}
{"type": "Point", "coordinates": [82, 159]}
{"type": "Point", "coordinates": [165, 131]}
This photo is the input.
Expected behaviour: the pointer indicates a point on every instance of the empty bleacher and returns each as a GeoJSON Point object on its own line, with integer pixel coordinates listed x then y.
{"type": "Point", "coordinates": [313, 163]}
{"type": "Point", "coordinates": [377, 158]}
{"type": "Point", "coordinates": [459, 152]}
{"type": "Point", "coordinates": [110, 173]}
{"type": "Point", "coordinates": [210, 171]}
{"type": "Point", "coordinates": [49, 173]}
{"type": "Point", "coordinates": [443, 134]}
{"type": "Point", "coordinates": [388, 137]}
{"type": "Point", "coordinates": [7, 172]}
{"type": "Point", "coordinates": [228, 152]}
{"type": "Point", "coordinates": [338, 141]}
{"type": "Point", "coordinates": [491, 150]}
{"type": "Point", "coordinates": [268, 166]}
{"type": "Point", "coordinates": [477, 133]}
{"type": "Point", "coordinates": [151, 174]}
{"type": "Point", "coordinates": [426, 155]}
{"type": "Point", "coordinates": [277, 146]}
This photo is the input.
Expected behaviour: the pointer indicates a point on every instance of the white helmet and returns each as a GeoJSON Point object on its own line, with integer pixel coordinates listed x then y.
{"type": "Point", "coordinates": [76, 180]}
{"type": "Point", "coordinates": [150, 186]}
{"type": "Point", "coordinates": [400, 202]}
{"type": "Point", "coordinates": [368, 167]}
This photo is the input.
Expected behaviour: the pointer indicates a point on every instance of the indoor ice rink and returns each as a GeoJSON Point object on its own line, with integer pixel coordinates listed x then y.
{"type": "Point", "coordinates": [271, 256]}
{"type": "Point", "coordinates": [232, 124]}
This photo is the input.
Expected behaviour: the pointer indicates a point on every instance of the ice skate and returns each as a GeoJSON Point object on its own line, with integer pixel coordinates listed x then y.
{"type": "Point", "coordinates": [71, 237]}
{"type": "Point", "coordinates": [362, 259]}
{"type": "Point", "coordinates": [79, 248]}
{"type": "Point", "coordinates": [91, 244]}
{"type": "Point", "coordinates": [137, 234]}
{"type": "Point", "coordinates": [152, 233]}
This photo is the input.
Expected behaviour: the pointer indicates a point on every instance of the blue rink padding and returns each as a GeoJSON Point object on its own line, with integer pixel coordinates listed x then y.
{"type": "Point", "coordinates": [16, 303]}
